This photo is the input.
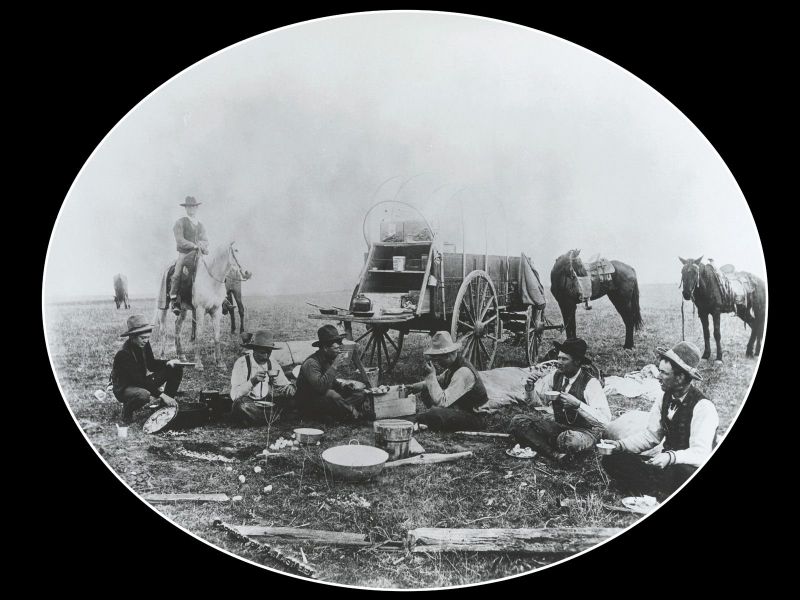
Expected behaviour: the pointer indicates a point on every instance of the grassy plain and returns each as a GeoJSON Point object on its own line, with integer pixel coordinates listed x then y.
{"type": "Point", "coordinates": [488, 490]}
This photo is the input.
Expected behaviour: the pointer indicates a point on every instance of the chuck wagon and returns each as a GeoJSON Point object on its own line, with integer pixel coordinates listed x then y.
{"type": "Point", "coordinates": [412, 282]}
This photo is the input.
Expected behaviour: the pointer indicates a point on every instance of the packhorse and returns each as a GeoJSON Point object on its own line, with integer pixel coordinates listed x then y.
{"type": "Point", "coordinates": [204, 295]}
{"type": "Point", "coordinates": [712, 293]}
{"type": "Point", "coordinates": [617, 281]}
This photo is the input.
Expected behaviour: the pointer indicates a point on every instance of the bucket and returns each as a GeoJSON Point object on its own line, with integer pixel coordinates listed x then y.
{"type": "Point", "coordinates": [399, 263]}
{"type": "Point", "coordinates": [394, 436]}
{"type": "Point", "coordinates": [373, 374]}
{"type": "Point", "coordinates": [122, 432]}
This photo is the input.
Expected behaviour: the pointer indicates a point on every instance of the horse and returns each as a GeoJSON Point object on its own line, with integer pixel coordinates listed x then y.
{"type": "Point", "coordinates": [233, 290]}
{"type": "Point", "coordinates": [701, 284]}
{"type": "Point", "coordinates": [207, 296]}
{"type": "Point", "coordinates": [622, 289]}
{"type": "Point", "coordinates": [121, 291]}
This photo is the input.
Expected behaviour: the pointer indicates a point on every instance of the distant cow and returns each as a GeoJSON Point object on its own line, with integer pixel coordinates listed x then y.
{"type": "Point", "coordinates": [121, 290]}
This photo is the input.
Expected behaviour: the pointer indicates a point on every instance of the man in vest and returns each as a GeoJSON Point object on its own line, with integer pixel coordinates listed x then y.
{"type": "Point", "coordinates": [190, 236]}
{"type": "Point", "coordinates": [256, 381]}
{"type": "Point", "coordinates": [580, 408]}
{"type": "Point", "coordinates": [454, 396]}
{"type": "Point", "coordinates": [683, 418]}
{"type": "Point", "coordinates": [319, 393]}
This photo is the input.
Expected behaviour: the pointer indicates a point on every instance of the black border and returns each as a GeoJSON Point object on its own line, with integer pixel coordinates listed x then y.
{"type": "Point", "coordinates": [94, 74]}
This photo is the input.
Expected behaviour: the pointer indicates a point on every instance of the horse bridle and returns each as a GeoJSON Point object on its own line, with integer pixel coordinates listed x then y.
{"type": "Point", "coordinates": [698, 283]}
{"type": "Point", "coordinates": [232, 255]}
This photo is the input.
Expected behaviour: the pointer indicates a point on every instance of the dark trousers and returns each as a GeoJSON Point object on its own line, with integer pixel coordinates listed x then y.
{"type": "Point", "coordinates": [630, 474]}
{"type": "Point", "coordinates": [450, 419]}
{"type": "Point", "coordinates": [543, 434]}
{"type": "Point", "coordinates": [332, 405]}
{"type": "Point", "coordinates": [133, 398]}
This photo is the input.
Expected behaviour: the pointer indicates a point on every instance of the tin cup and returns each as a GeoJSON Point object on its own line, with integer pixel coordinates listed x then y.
{"type": "Point", "coordinates": [604, 448]}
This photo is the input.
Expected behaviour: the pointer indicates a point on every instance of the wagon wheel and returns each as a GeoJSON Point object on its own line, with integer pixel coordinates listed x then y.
{"type": "Point", "coordinates": [534, 330]}
{"type": "Point", "coordinates": [476, 320]}
{"type": "Point", "coordinates": [380, 347]}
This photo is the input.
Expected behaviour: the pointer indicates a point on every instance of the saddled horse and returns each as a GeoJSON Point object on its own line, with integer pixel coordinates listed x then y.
{"type": "Point", "coordinates": [233, 290]}
{"type": "Point", "coordinates": [622, 288]}
{"type": "Point", "coordinates": [208, 292]}
{"type": "Point", "coordinates": [701, 284]}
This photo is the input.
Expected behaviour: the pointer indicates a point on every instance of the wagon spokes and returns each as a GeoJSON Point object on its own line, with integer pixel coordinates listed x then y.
{"type": "Point", "coordinates": [475, 322]}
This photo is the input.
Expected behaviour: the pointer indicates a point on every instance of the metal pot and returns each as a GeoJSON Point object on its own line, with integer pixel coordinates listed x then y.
{"type": "Point", "coordinates": [308, 436]}
{"type": "Point", "coordinates": [354, 462]}
{"type": "Point", "coordinates": [362, 304]}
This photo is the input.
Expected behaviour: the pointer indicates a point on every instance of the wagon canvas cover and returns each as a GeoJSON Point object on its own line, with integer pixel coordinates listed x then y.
{"type": "Point", "coordinates": [530, 285]}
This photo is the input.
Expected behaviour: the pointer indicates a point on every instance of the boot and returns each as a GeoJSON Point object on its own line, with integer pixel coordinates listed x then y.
{"type": "Point", "coordinates": [176, 306]}
{"type": "Point", "coordinates": [587, 306]}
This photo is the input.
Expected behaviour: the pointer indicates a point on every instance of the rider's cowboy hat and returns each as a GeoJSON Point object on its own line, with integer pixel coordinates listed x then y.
{"type": "Point", "coordinates": [685, 356]}
{"type": "Point", "coordinates": [261, 339]}
{"type": "Point", "coordinates": [575, 347]}
{"type": "Point", "coordinates": [327, 334]}
{"type": "Point", "coordinates": [137, 324]}
{"type": "Point", "coordinates": [441, 343]}
{"type": "Point", "coordinates": [190, 201]}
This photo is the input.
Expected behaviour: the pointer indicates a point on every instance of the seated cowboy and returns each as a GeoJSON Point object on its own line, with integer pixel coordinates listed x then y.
{"type": "Point", "coordinates": [257, 381]}
{"type": "Point", "coordinates": [452, 397]}
{"type": "Point", "coordinates": [190, 236]}
{"type": "Point", "coordinates": [319, 394]}
{"type": "Point", "coordinates": [132, 385]}
{"type": "Point", "coordinates": [580, 408]}
{"type": "Point", "coordinates": [683, 418]}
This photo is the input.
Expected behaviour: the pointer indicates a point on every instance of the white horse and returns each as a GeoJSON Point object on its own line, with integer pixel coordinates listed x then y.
{"type": "Point", "coordinates": [207, 296]}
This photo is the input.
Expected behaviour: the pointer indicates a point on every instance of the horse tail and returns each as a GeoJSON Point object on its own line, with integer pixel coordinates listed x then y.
{"type": "Point", "coordinates": [636, 314]}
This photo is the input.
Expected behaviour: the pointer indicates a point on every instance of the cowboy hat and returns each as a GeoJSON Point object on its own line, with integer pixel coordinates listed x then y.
{"type": "Point", "coordinates": [260, 339]}
{"type": "Point", "coordinates": [575, 347]}
{"type": "Point", "coordinates": [685, 356]}
{"type": "Point", "coordinates": [327, 334]}
{"type": "Point", "coordinates": [137, 324]}
{"type": "Point", "coordinates": [441, 343]}
{"type": "Point", "coordinates": [190, 201]}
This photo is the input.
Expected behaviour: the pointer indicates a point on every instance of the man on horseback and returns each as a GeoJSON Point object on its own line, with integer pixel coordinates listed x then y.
{"type": "Point", "coordinates": [190, 236]}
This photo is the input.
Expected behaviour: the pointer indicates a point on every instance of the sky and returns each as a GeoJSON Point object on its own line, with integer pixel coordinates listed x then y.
{"type": "Point", "coordinates": [535, 144]}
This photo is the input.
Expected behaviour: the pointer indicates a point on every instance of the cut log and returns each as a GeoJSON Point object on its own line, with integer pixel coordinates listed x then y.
{"type": "Point", "coordinates": [186, 498]}
{"type": "Point", "coordinates": [427, 459]}
{"type": "Point", "coordinates": [561, 540]}
{"type": "Point", "coordinates": [314, 536]}
{"type": "Point", "coordinates": [488, 434]}
{"type": "Point", "coordinates": [274, 553]}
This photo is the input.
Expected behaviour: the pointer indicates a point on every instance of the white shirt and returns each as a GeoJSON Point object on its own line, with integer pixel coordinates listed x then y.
{"type": "Point", "coordinates": [701, 437]}
{"type": "Point", "coordinates": [241, 385]}
{"type": "Point", "coordinates": [595, 410]}
{"type": "Point", "coordinates": [462, 381]}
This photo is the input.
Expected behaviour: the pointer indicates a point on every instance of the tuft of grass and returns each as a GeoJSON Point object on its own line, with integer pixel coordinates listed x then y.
{"type": "Point", "coordinates": [474, 492]}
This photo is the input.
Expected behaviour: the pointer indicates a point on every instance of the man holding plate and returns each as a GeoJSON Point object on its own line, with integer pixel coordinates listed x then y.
{"type": "Point", "coordinates": [684, 419]}
{"type": "Point", "coordinates": [580, 408]}
{"type": "Point", "coordinates": [256, 380]}
{"type": "Point", "coordinates": [137, 376]}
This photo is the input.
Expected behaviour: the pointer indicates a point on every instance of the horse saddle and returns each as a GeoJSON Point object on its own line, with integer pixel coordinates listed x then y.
{"type": "Point", "coordinates": [601, 268]}
{"type": "Point", "coordinates": [187, 282]}
{"type": "Point", "coordinates": [736, 286]}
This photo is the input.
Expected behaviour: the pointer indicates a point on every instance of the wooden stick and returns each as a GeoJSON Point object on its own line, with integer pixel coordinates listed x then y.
{"type": "Point", "coordinates": [357, 362]}
{"type": "Point", "coordinates": [160, 498]}
{"type": "Point", "coordinates": [315, 536]}
{"type": "Point", "coordinates": [561, 540]}
{"type": "Point", "coordinates": [288, 561]}
{"type": "Point", "coordinates": [427, 459]}
{"type": "Point", "coordinates": [488, 434]}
